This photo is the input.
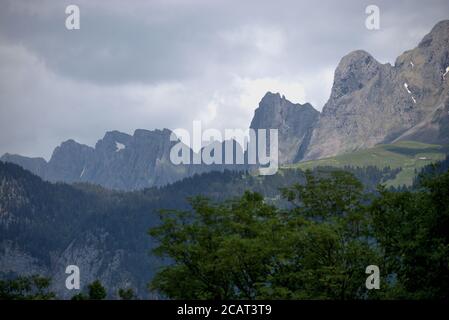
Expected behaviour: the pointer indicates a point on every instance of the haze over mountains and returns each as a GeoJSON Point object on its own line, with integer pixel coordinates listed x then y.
{"type": "Point", "coordinates": [370, 103]}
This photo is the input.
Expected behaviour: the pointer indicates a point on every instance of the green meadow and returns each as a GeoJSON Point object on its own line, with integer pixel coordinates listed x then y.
{"type": "Point", "coordinates": [408, 155]}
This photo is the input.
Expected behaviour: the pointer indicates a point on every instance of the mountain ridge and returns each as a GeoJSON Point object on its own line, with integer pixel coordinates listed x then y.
{"type": "Point", "coordinates": [129, 162]}
{"type": "Point", "coordinates": [370, 103]}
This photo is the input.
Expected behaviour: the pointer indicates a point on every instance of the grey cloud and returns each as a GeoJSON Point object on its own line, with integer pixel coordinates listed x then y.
{"type": "Point", "coordinates": [148, 64]}
{"type": "Point", "coordinates": [160, 42]}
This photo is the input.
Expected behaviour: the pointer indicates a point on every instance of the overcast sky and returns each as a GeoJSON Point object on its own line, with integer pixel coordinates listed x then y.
{"type": "Point", "coordinates": [163, 64]}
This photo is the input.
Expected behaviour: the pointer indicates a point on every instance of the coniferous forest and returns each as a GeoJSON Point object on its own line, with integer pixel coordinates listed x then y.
{"type": "Point", "coordinates": [302, 235]}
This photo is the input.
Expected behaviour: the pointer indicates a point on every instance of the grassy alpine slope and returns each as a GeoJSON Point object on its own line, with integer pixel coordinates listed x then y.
{"type": "Point", "coordinates": [411, 156]}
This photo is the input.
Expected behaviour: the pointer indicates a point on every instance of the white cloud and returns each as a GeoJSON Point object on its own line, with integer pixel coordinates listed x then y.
{"type": "Point", "coordinates": [268, 40]}
{"type": "Point", "coordinates": [318, 86]}
{"type": "Point", "coordinates": [233, 106]}
{"type": "Point", "coordinates": [40, 109]}
{"type": "Point", "coordinates": [254, 89]}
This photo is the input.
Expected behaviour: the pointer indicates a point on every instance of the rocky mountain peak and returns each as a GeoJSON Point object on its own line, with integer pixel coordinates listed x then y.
{"type": "Point", "coordinates": [113, 141]}
{"type": "Point", "coordinates": [373, 103]}
{"type": "Point", "coordinates": [116, 136]}
{"type": "Point", "coordinates": [70, 146]}
{"type": "Point", "coordinates": [67, 161]}
{"type": "Point", "coordinates": [293, 121]}
{"type": "Point", "coordinates": [274, 110]}
{"type": "Point", "coordinates": [431, 56]}
{"type": "Point", "coordinates": [271, 98]}
{"type": "Point", "coordinates": [70, 150]}
{"type": "Point", "coordinates": [354, 71]}
{"type": "Point", "coordinates": [437, 36]}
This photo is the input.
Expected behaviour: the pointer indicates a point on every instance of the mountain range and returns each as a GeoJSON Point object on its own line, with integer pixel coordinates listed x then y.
{"type": "Point", "coordinates": [103, 230]}
{"type": "Point", "coordinates": [370, 103]}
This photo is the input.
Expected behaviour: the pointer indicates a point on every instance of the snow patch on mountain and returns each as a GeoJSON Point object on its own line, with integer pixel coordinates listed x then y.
{"type": "Point", "coordinates": [444, 74]}
{"type": "Point", "coordinates": [119, 146]}
{"type": "Point", "coordinates": [408, 90]}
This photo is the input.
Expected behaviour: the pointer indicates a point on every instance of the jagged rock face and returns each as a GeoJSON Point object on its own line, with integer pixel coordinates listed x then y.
{"type": "Point", "coordinates": [434, 128]}
{"type": "Point", "coordinates": [67, 161]}
{"type": "Point", "coordinates": [430, 78]}
{"type": "Point", "coordinates": [118, 161]}
{"type": "Point", "coordinates": [124, 162]}
{"type": "Point", "coordinates": [373, 103]}
{"type": "Point", "coordinates": [294, 122]}
{"type": "Point", "coordinates": [129, 162]}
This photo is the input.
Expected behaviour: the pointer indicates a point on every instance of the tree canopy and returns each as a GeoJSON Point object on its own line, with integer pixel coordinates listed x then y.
{"type": "Point", "coordinates": [317, 248]}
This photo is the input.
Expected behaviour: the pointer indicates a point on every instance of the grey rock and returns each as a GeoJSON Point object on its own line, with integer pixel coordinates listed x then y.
{"type": "Point", "coordinates": [68, 161]}
{"type": "Point", "coordinates": [294, 122]}
{"type": "Point", "coordinates": [35, 165]}
{"type": "Point", "coordinates": [118, 161]}
{"type": "Point", "coordinates": [373, 103]}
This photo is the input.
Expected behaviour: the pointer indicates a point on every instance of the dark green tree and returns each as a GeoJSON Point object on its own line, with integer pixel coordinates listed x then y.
{"type": "Point", "coordinates": [126, 294]}
{"type": "Point", "coordinates": [247, 249]}
{"type": "Point", "coordinates": [412, 230]}
{"type": "Point", "coordinates": [220, 251]}
{"type": "Point", "coordinates": [80, 296]}
{"type": "Point", "coordinates": [26, 288]}
{"type": "Point", "coordinates": [327, 241]}
{"type": "Point", "coordinates": [96, 291]}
